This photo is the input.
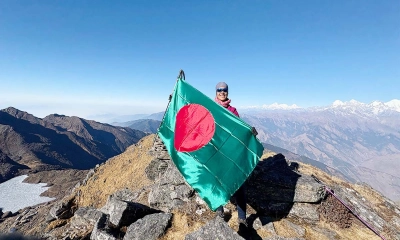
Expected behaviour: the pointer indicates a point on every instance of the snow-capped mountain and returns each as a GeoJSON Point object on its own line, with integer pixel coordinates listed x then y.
{"type": "Point", "coordinates": [375, 107]}
{"type": "Point", "coordinates": [343, 135]}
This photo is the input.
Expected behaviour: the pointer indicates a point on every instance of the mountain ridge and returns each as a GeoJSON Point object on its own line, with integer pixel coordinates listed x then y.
{"type": "Point", "coordinates": [31, 144]}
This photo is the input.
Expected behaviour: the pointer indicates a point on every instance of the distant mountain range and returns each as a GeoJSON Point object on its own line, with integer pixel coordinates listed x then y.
{"type": "Point", "coordinates": [144, 125]}
{"type": "Point", "coordinates": [28, 143]}
{"type": "Point", "coordinates": [352, 137]}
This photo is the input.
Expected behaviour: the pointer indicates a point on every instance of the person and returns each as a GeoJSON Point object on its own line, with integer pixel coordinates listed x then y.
{"type": "Point", "coordinates": [221, 98]}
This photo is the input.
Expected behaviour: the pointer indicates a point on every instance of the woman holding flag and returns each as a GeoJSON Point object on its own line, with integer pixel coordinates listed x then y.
{"type": "Point", "coordinates": [221, 98]}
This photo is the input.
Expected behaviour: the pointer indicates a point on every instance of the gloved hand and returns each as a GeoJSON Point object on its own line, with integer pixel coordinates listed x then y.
{"type": "Point", "coordinates": [254, 131]}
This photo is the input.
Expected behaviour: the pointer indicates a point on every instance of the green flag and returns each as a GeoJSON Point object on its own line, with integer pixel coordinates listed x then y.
{"type": "Point", "coordinates": [214, 150]}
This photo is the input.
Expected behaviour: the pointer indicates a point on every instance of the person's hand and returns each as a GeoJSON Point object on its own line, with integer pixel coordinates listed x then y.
{"type": "Point", "coordinates": [254, 131]}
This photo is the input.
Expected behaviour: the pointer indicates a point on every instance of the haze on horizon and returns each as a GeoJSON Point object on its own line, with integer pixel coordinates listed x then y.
{"type": "Point", "coordinates": [92, 58]}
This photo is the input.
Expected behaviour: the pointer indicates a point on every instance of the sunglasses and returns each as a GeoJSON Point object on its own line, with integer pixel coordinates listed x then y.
{"type": "Point", "coordinates": [222, 90]}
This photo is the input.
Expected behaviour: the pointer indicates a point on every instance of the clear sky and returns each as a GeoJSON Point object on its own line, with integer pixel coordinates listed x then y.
{"type": "Point", "coordinates": [85, 58]}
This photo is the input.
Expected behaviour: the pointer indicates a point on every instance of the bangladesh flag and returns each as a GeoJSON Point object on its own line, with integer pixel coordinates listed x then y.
{"type": "Point", "coordinates": [214, 150]}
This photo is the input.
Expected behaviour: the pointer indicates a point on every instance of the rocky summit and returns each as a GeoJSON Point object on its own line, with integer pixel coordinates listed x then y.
{"type": "Point", "coordinates": [140, 194]}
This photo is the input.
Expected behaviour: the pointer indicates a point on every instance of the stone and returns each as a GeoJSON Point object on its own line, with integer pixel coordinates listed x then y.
{"type": "Point", "coordinates": [326, 232]}
{"type": "Point", "coordinates": [264, 223]}
{"type": "Point", "coordinates": [101, 230]}
{"type": "Point", "coordinates": [63, 208]}
{"type": "Point", "coordinates": [305, 211]}
{"type": "Point", "coordinates": [123, 213]}
{"type": "Point", "coordinates": [155, 168]}
{"type": "Point", "coordinates": [88, 176]}
{"type": "Point", "coordinates": [162, 197]}
{"type": "Point", "coordinates": [279, 184]}
{"type": "Point", "coordinates": [85, 216]}
{"type": "Point", "coordinates": [214, 229]}
{"type": "Point", "coordinates": [7, 214]}
{"type": "Point", "coordinates": [353, 200]}
{"type": "Point", "coordinates": [292, 227]}
{"type": "Point", "coordinates": [152, 226]}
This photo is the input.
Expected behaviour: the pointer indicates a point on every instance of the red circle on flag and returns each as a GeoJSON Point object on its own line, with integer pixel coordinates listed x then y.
{"type": "Point", "coordinates": [194, 128]}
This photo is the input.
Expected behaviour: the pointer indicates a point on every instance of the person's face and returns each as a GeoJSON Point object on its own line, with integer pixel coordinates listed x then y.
{"type": "Point", "coordinates": [222, 94]}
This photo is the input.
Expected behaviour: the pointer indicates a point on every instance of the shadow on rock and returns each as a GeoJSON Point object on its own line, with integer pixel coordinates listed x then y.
{"type": "Point", "coordinates": [271, 188]}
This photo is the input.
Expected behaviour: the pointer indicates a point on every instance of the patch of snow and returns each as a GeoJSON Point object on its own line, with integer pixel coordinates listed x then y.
{"type": "Point", "coordinates": [16, 194]}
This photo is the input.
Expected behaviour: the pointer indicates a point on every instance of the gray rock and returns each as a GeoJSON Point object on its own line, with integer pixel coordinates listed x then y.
{"type": "Point", "coordinates": [163, 155]}
{"type": "Point", "coordinates": [155, 169]}
{"type": "Point", "coordinates": [214, 229]}
{"type": "Point", "coordinates": [279, 184]}
{"type": "Point", "coordinates": [88, 176]}
{"type": "Point", "coordinates": [168, 197]}
{"type": "Point", "coordinates": [151, 226]}
{"type": "Point", "coordinates": [123, 213]}
{"type": "Point", "coordinates": [264, 223]}
{"type": "Point", "coordinates": [101, 231]}
{"type": "Point", "coordinates": [62, 209]}
{"type": "Point", "coordinates": [7, 214]}
{"type": "Point", "coordinates": [85, 216]}
{"type": "Point", "coordinates": [172, 176]}
{"type": "Point", "coordinates": [304, 211]}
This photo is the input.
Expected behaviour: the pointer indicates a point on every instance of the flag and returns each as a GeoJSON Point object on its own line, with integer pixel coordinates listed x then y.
{"type": "Point", "coordinates": [214, 150]}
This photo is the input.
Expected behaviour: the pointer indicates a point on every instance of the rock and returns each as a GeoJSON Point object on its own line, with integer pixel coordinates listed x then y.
{"type": "Point", "coordinates": [7, 214]}
{"type": "Point", "coordinates": [101, 230]}
{"type": "Point", "coordinates": [279, 184]}
{"type": "Point", "coordinates": [123, 213]}
{"type": "Point", "coordinates": [325, 232]}
{"type": "Point", "coordinates": [88, 176]}
{"type": "Point", "coordinates": [155, 168]}
{"type": "Point", "coordinates": [86, 217]}
{"type": "Point", "coordinates": [152, 226]}
{"type": "Point", "coordinates": [214, 229]}
{"type": "Point", "coordinates": [1, 212]}
{"type": "Point", "coordinates": [304, 211]}
{"type": "Point", "coordinates": [168, 197]}
{"type": "Point", "coordinates": [63, 209]}
{"type": "Point", "coordinates": [291, 227]}
{"type": "Point", "coordinates": [264, 223]}
{"type": "Point", "coordinates": [354, 200]}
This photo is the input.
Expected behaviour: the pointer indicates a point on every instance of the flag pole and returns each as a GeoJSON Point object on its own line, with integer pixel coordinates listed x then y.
{"type": "Point", "coordinates": [180, 76]}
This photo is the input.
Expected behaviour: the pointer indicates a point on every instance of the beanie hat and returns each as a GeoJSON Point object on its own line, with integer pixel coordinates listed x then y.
{"type": "Point", "coordinates": [221, 85]}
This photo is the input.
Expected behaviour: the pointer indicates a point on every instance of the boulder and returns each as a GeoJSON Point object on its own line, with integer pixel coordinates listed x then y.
{"type": "Point", "coordinates": [171, 190]}
{"type": "Point", "coordinates": [305, 211]}
{"type": "Point", "coordinates": [274, 186]}
{"type": "Point", "coordinates": [152, 226]}
{"type": "Point", "coordinates": [214, 229]}
{"type": "Point", "coordinates": [101, 230]}
{"type": "Point", "coordinates": [123, 213]}
{"type": "Point", "coordinates": [265, 223]}
{"type": "Point", "coordinates": [63, 209]}
{"type": "Point", "coordinates": [85, 217]}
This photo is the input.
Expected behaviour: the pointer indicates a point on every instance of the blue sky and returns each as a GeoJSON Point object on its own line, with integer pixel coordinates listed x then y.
{"type": "Point", "coordinates": [86, 58]}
